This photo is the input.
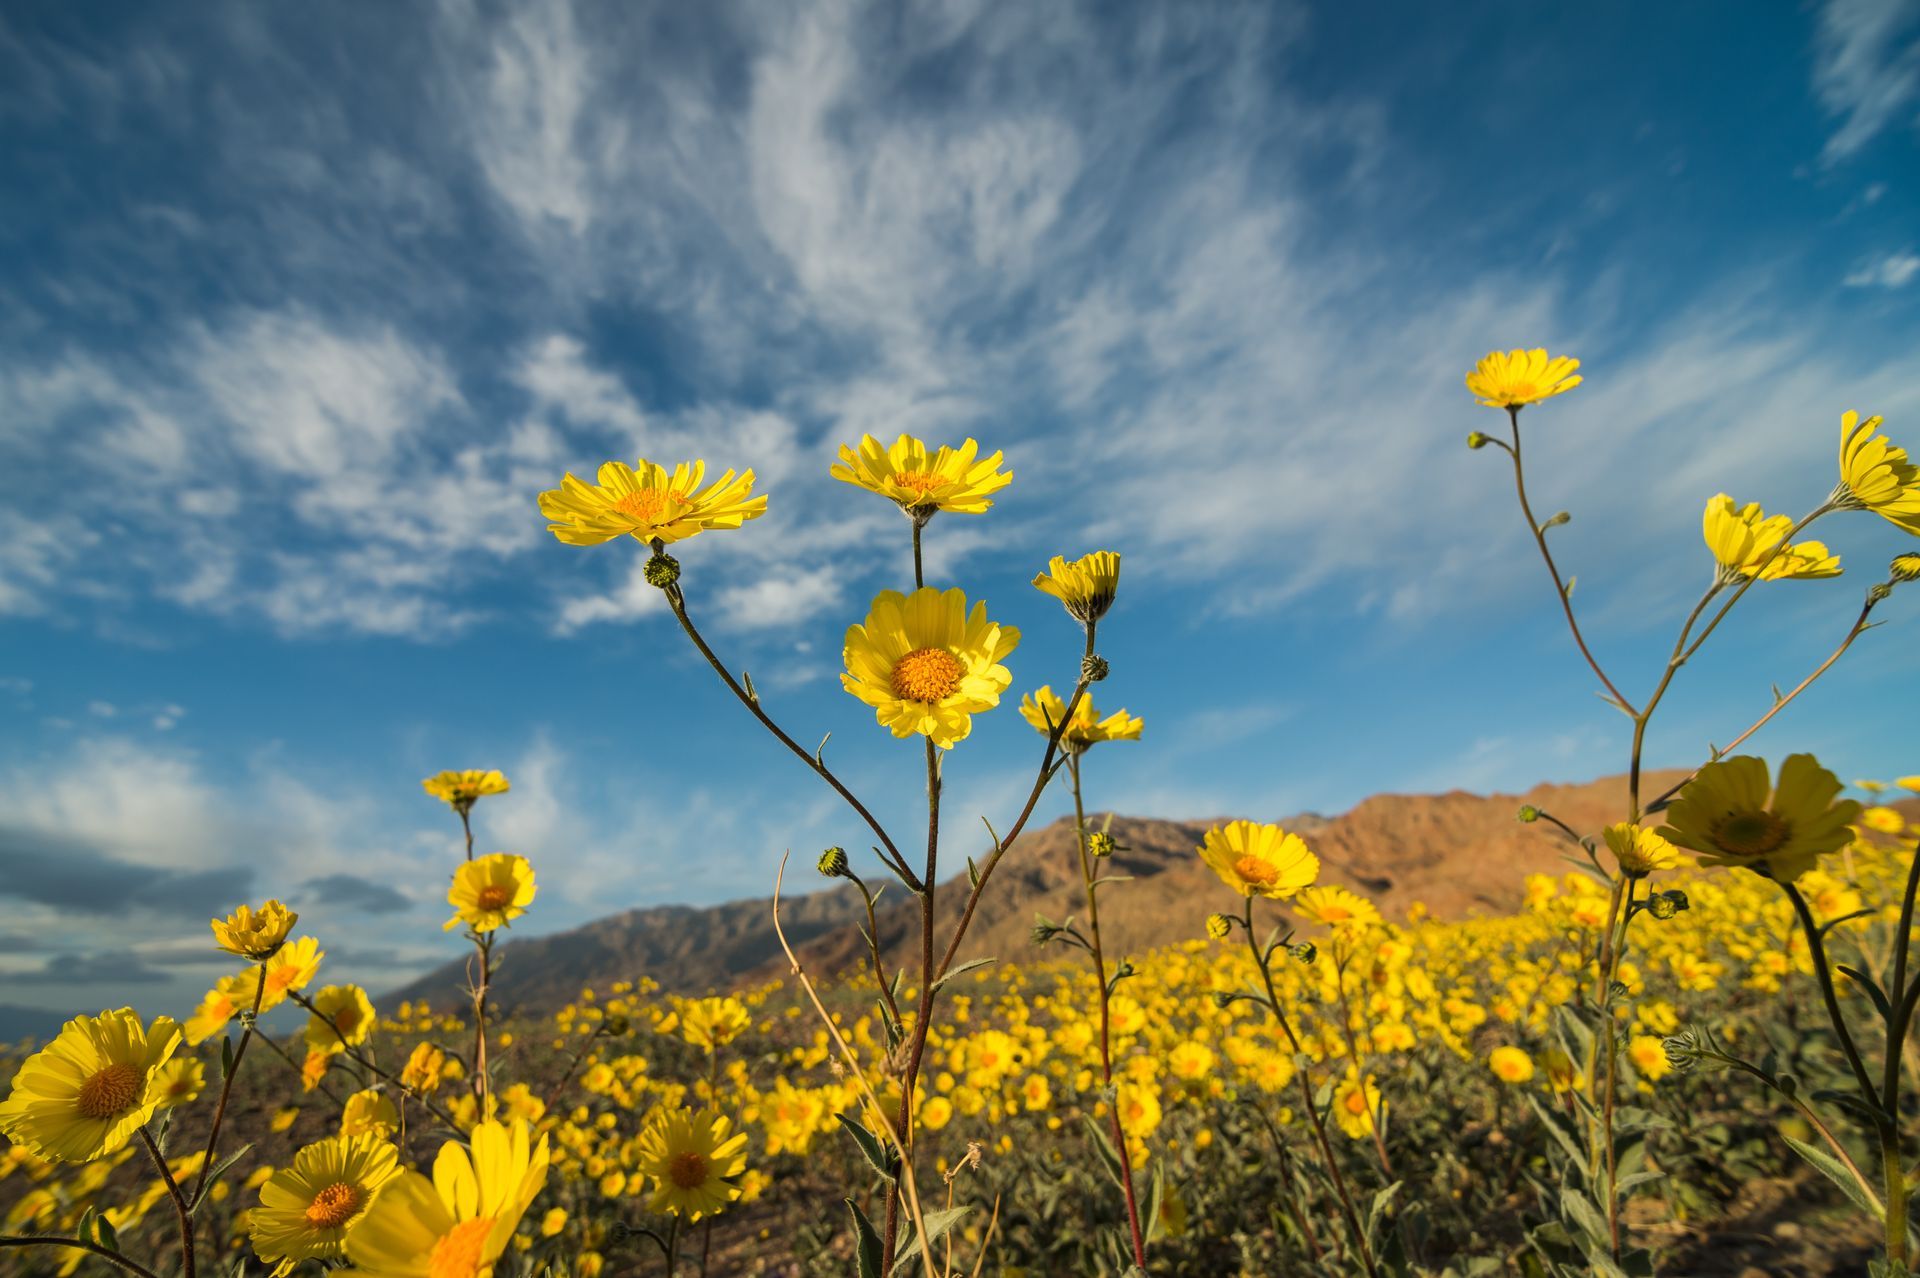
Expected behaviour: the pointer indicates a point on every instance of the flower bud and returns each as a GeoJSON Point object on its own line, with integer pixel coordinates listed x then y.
{"type": "Point", "coordinates": [616, 1026]}
{"type": "Point", "coordinates": [1304, 953]}
{"type": "Point", "coordinates": [1477, 440]}
{"type": "Point", "coordinates": [1219, 926]}
{"type": "Point", "coordinates": [1093, 669]}
{"type": "Point", "coordinates": [662, 570]}
{"type": "Point", "coordinates": [1100, 843]}
{"type": "Point", "coordinates": [1878, 592]}
{"type": "Point", "coordinates": [1528, 814]}
{"type": "Point", "coordinates": [1905, 567]}
{"type": "Point", "coordinates": [1222, 999]}
{"type": "Point", "coordinates": [1664, 905]}
{"type": "Point", "coordinates": [833, 863]}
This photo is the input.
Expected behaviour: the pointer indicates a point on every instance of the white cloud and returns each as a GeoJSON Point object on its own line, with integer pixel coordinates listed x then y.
{"type": "Point", "coordinates": [1867, 70]}
{"type": "Point", "coordinates": [1890, 270]}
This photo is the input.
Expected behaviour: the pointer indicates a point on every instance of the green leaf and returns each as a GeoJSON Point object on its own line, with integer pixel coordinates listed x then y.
{"type": "Point", "coordinates": [1576, 1207]}
{"type": "Point", "coordinates": [226, 1057]}
{"type": "Point", "coordinates": [1562, 1128]}
{"type": "Point", "coordinates": [220, 1169]}
{"type": "Point", "coordinates": [952, 972]}
{"type": "Point", "coordinates": [973, 873]}
{"type": "Point", "coordinates": [879, 1155]}
{"type": "Point", "coordinates": [1109, 1156]}
{"type": "Point", "coordinates": [866, 1241]}
{"type": "Point", "coordinates": [1878, 995]}
{"type": "Point", "coordinates": [1831, 924]}
{"type": "Point", "coordinates": [1156, 1195]}
{"type": "Point", "coordinates": [938, 1225]}
{"type": "Point", "coordinates": [1111, 878]}
{"type": "Point", "coordinates": [1378, 1210]}
{"type": "Point", "coordinates": [1834, 1170]}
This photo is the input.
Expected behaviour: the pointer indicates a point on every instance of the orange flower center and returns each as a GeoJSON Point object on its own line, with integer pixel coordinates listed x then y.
{"type": "Point", "coordinates": [927, 675]}
{"type": "Point", "coordinates": [1252, 869]}
{"type": "Point", "coordinates": [651, 505]}
{"type": "Point", "coordinates": [460, 1250]}
{"type": "Point", "coordinates": [922, 482]}
{"type": "Point", "coordinates": [1750, 833]}
{"type": "Point", "coordinates": [494, 897]}
{"type": "Point", "coordinates": [110, 1091]}
{"type": "Point", "coordinates": [279, 978]}
{"type": "Point", "coordinates": [1335, 914]}
{"type": "Point", "coordinates": [1356, 1103]}
{"type": "Point", "coordinates": [334, 1206]}
{"type": "Point", "coordinates": [688, 1170]}
{"type": "Point", "coordinates": [347, 1018]}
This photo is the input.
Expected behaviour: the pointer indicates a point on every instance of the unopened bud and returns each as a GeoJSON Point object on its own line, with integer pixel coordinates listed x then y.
{"type": "Point", "coordinates": [1219, 926]}
{"type": "Point", "coordinates": [1528, 814]}
{"type": "Point", "coordinates": [1093, 669]}
{"type": "Point", "coordinates": [1222, 999]}
{"type": "Point", "coordinates": [662, 570]}
{"type": "Point", "coordinates": [1556, 520]}
{"type": "Point", "coordinates": [1304, 953]}
{"type": "Point", "coordinates": [833, 863]}
{"type": "Point", "coordinates": [615, 1026]}
{"type": "Point", "coordinates": [1905, 568]}
{"type": "Point", "coordinates": [1477, 440]}
{"type": "Point", "coordinates": [1664, 905]}
{"type": "Point", "coordinates": [1100, 843]}
{"type": "Point", "coordinates": [1878, 592]}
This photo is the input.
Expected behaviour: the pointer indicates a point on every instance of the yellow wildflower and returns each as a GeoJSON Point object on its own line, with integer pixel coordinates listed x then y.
{"type": "Point", "coordinates": [1518, 378]}
{"type": "Point", "coordinates": [926, 665]}
{"type": "Point", "coordinates": [921, 483]}
{"type": "Point", "coordinates": [1259, 860]}
{"type": "Point", "coordinates": [490, 892]}
{"type": "Point", "coordinates": [648, 503]}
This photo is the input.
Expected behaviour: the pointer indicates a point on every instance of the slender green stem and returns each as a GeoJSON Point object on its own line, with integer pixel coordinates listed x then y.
{"type": "Point", "coordinates": [1553, 570]}
{"type": "Point", "coordinates": [1087, 878]}
{"type": "Point", "coordinates": [1339, 1179]}
{"type": "Point", "coordinates": [673, 1244]}
{"type": "Point", "coordinates": [1897, 1025]}
{"type": "Point", "coordinates": [1817, 951]}
{"type": "Point", "coordinates": [226, 1084]}
{"type": "Point", "coordinates": [181, 1210]}
{"type": "Point", "coordinates": [366, 1062]}
{"type": "Point", "coordinates": [56, 1240]}
{"type": "Point", "coordinates": [1749, 578]}
{"type": "Point", "coordinates": [676, 600]}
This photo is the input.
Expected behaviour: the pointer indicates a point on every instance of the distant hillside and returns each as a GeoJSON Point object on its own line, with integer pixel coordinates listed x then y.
{"type": "Point", "coordinates": [1457, 852]}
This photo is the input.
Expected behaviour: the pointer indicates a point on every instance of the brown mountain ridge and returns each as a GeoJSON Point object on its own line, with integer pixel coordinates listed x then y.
{"type": "Point", "coordinates": [1459, 853]}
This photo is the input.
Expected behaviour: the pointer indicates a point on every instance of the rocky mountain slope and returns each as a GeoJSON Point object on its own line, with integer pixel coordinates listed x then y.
{"type": "Point", "coordinates": [1457, 852]}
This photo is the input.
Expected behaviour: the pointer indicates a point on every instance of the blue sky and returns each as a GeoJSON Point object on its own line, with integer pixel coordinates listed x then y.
{"type": "Point", "coordinates": [305, 304]}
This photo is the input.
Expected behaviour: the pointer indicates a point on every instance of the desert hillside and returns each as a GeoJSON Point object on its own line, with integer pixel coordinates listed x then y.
{"type": "Point", "coordinates": [1456, 852]}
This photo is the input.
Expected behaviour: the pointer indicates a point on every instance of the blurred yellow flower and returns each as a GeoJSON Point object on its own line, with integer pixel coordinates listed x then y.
{"type": "Point", "coordinates": [1086, 586]}
{"type": "Point", "coordinates": [1354, 1104]}
{"type": "Point", "coordinates": [297, 963]}
{"type": "Point", "coordinates": [692, 1162]}
{"type": "Point", "coordinates": [460, 1222]}
{"type": "Point", "coordinates": [1909, 783]}
{"type": "Point", "coordinates": [342, 1008]}
{"type": "Point", "coordinates": [181, 1080]}
{"type": "Point", "coordinates": [1336, 907]}
{"type": "Point", "coordinates": [83, 1095]}
{"type": "Point", "coordinates": [921, 483]}
{"type": "Point", "coordinates": [1518, 378]}
{"type": "Point", "coordinates": [1259, 860]}
{"type": "Point", "coordinates": [1883, 820]}
{"type": "Point", "coordinates": [422, 1072]}
{"type": "Point", "coordinates": [1876, 476]}
{"type": "Point", "coordinates": [489, 892]}
{"type": "Point", "coordinates": [711, 1023]}
{"type": "Point", "coordinates": [1726, 815]}
{"type": "Point", "coordinates": [368, 1113]}
{"type": "Point", "coordinates": [256, 935]}
{"type": "Point", "coordinates": [648, 503]}
{"type": "Point", "coordinates": [1640, 851]}
{"type": "Point", "coordinates": [1044, 710]}
{"type": "Point", "coordinates": [926, 665]}
{"type": "Point", "coordinates": [307, 1210]}
{"type": "Point", "coordinates": [460, 790]}
{"type": "Point", "coordinates": [1510, 1064]}
{"type": "Point", "coordinates": [1649, 1057]}
{"type": "Point", "coordinates": [1743, 542]}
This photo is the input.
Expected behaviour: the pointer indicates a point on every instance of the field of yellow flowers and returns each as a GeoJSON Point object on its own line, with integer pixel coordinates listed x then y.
{"type": "Point", "coordinates": [1692, 1037]}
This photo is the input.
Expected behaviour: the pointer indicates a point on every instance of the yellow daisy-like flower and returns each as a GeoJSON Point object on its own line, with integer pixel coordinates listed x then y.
{"type": "Point", "coordinates": [351, 1014]}
{"type": "Point", "coordinates": [1355, 1102]}
{"type": "Point", "coordinates": [368, 1113]}
{"type": "Point", "coordinates": [181, 1080]}
{"type": "Point", "coordinates": [1883, 820]}
{"type": "Point", "coordinates": [293, 968]}
{"type": "Point", "coordinates": [462, 789]}
{"type": "Point", "coordinates": [1510, 1064]}
{"type": "Point", "coordinates": [1909, 783]}
{"type": "Point", "coordinates": [649, 503]}
{"type": "Point", "coordinates": [927, 665]}
{"type": "Point", "coordinates": [1518, 378]}
{"type": "Point", "coordinates": [1743, 542]}
{"type": "Point", "coordinates": [490, 892]}
{"type": "Point", "coordinates": [1726, 814]}
{"type": "Point", "coordinates": [1336, 908]}
{"type": "Point", "coordinates": [307, 1210]}
{"type": "Point", "coordinates": [692, 1162]}
{"type": "Point", "coordinates": [920, 482]}
{"type": "Point", "coordinates": [83, 1095]}
{"type": "Point", "coordinates": [1086, 586]}
{"type": "Point", "coordinates": [1045, 711]}
{"type": "Point", "coordinates": [1876, 476]}
{"type": "Point", "coordinates": [220, 1005]}
{"type": "Point", "coordinates": [712, 1023]}
{"type": "Point", "coordinates": [1259, 860]}
{"type": "Point", "coordinates": [457, 1224]}
{"type": "Point", "coordinates": [256, 935]}
{"type": "Point", "coordinates": [423, 1070]}
{"type": "Point", "coordinates": [1639, 850]}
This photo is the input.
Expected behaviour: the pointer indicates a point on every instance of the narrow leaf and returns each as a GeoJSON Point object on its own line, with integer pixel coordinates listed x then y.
{"type": "Point", "coordinates": [952, 972]}
{"type": "Point", "coordinates": [866, 1241]}
{"type": "Point", "coordinates": [878, 1155]}
{"type": "Point", "coordinates": [938, 1224]}
{"type": "Point", "coordinates": [1834, 1170]}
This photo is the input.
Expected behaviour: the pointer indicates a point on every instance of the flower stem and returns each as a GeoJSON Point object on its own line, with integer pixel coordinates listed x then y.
{"type": "Point", "coordinates": [226, 1084]}
{"type": "Point", "coordinates": [180, 1208]}
{"type": "Point", "coordinates": [55, 1240]}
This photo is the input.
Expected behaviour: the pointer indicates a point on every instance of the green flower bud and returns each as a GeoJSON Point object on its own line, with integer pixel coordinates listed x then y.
{"type": "Point", "coordinates": [1219, 926]}
{"type": "Point", "coordinates": [1093, 669]}
{"type": "Point", "coordinates": [1100, 843]}
{"type": "Point", "coordinates": [1528, 814]}
{"type": "Point", "coordinates": [1905, 567]}
{"type": "Point", "coordinates": [1477, 440]}
{"type": "Point", "coordinates": [833, 863]}
{"type": "Point", "coordinates": [1222, 999]}
{"type": "Point", "coordinates": [1304, 953]}
{"type": "Point", "coordinates": [662, 570]}
{"type": "Point", "coordinates": [615, 1026]}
